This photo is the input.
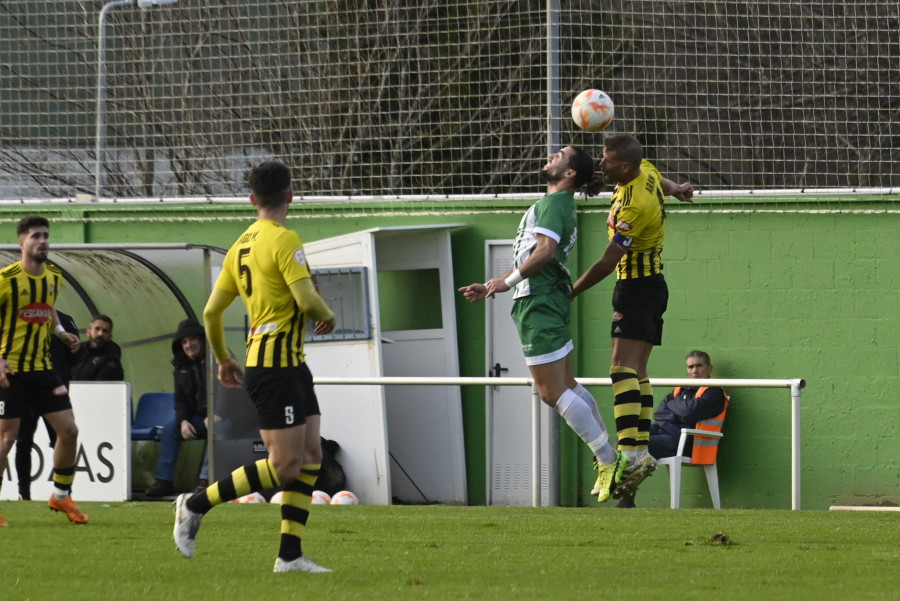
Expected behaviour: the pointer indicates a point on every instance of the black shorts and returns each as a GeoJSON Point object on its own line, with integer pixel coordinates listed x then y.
{"type": "Point", "coordinates": [38, 392]}
{"type": "Point", "coordinates": [282, 396]}
{"type": "Point", "coordinates": [638, 307]}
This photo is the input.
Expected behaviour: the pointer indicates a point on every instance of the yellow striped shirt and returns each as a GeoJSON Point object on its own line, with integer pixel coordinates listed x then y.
{"type": "Point", "coordinates": [260, 267]}
{"type": "Point", "coordinates": [637, 217]}
{"type": "Point", "coordinates": [26, 316]}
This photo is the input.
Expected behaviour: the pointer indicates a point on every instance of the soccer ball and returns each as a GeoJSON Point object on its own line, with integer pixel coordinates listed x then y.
{"type": "Point", "coordinates": [592, 110]}
{"type": "Point", "coordinates": [320, 497]}
{"type": "Point", "coordinates": [253, 497]}
{"type": "Point", "coordinates": [277, 497]}
{"type": "Point", "coordinates": [345, 497]}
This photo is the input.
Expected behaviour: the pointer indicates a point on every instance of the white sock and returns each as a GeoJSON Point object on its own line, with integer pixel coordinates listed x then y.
{"type": "Point", "coordinates": [579, 417]}
{"type": "Point", "coordinates": [591, 402]}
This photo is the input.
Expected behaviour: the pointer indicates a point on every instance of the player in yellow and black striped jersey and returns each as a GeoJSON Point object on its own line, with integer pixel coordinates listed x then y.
{"type": "Point", "coordinates": [267, 268]}
{"type": "Point", "coordinates": [260, 267]}
{"type": "Point", "coordinates": [28, 291]}
{"type": "Point", "coordinates": [637, 222]}
{"type": "Point", "coordinates": [25, 315]}
{"type": "Point", "coordinates": [637, 229]}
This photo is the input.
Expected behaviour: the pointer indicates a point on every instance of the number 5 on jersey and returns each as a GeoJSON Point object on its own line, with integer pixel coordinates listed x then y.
{"type": "Point", "coordinates": [245, 271]}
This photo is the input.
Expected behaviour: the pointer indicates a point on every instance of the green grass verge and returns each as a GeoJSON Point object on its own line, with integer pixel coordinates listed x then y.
{"type": "Point", "coordinates": [453, 553]}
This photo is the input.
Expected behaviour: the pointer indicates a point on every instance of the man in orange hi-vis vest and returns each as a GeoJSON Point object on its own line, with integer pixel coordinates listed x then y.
{"type": "Point", "coordinates": [682, 408]}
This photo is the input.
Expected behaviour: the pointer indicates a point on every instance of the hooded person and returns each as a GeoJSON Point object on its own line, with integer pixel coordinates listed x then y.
{"type": "Point", "coordinates": [189, 361]}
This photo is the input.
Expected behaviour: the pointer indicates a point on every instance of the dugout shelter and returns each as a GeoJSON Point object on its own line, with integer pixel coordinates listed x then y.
{"type": "Point", "coordinates": [147, 289]}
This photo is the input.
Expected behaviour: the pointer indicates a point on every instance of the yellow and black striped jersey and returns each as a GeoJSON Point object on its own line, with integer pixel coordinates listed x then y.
{"type": "Point", "coordinates": [26, 316]}
{"type": "Point", "coordinates": [637, 223]}
{"type": "Point", "coordinates": [260, 267]}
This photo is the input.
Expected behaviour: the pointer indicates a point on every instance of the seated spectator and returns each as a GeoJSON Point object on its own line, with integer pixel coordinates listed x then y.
{"type": "Point", "coordinates": [189, 351]}
{"type": "Point", "coordinates": [61, 357]}
{"type": "Point", "coordinates": [682, 408]}
{"type": "Point", "coordinates": [99, 359]}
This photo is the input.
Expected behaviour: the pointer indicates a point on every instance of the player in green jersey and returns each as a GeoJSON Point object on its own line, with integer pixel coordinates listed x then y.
{"type": "Point", "coordinates": [541, 307]}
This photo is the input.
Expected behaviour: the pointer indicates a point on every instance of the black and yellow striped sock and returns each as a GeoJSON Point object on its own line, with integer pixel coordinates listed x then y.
{"type": "Point", "coordinates": [252, 477]}
{"type": "Point", "coordinates": [295, 504]}
{"type": "Point", "coordinates": [62, 481]}
{"type": "Point", "coordinates": [646, 413]}
{"type": "Point", "coordinates": [627, 405]}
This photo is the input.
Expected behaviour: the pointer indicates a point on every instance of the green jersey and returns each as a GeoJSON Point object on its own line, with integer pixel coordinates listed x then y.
{"type": "Point", "coordinates": [553, 216]}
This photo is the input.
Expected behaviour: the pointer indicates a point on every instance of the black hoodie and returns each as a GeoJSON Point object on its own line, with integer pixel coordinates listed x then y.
{"type": "Point", "coordinates": [190, 374]}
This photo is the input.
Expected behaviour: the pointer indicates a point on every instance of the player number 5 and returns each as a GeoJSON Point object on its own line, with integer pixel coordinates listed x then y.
{"type": "Point", "coordinates": [289, 415]}
{"type": "Point", "coordinates": [245, 271]}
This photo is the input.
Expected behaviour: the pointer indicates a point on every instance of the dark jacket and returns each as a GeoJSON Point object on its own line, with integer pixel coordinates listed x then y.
{"type": "Point", "coordinates": [97, 364]}
{"type": "Point", "coordinates": [684, 410]}
{"type": "Point", "coordinates": [60, 354]}
{"type": "Point", "coordinates": [190, 374]}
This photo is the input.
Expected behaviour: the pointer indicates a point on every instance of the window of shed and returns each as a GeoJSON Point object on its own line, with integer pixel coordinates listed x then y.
{"type": "Point", "coordinates": [344, 290]}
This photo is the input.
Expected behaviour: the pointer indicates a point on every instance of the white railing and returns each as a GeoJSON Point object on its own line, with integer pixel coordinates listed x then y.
{"type": "Point", "coordinates": [795, 385]}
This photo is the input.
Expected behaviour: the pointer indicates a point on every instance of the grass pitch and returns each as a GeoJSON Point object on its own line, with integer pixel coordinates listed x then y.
{"type": "Point", "coordinates": [454, 553]}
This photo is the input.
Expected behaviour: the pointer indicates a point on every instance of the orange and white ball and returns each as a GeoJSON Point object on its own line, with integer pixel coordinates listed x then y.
{"type": "Point", "coordinates": [344, 497]}
{"type": "Point", "coordinates": [320, 497]}
{"type": "Point", "coordinates": [592, 110]}
{"type": "Point", "coordinates": [253, 497]}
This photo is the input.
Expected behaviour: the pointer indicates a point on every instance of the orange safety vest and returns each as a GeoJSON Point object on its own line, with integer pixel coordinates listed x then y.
{"type": "Point", "coordinates": [706, 447]}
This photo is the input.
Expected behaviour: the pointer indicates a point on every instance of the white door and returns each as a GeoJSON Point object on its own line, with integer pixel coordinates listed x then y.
{"type": "Point", "coordinates": [509, 408]}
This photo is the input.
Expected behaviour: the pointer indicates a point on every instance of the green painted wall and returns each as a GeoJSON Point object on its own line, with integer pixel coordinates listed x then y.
{"type": "Point", "coordinates": [788, 294]}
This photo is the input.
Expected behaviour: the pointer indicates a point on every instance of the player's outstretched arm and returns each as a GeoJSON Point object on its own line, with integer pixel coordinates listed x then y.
{"type": "Point", "coordinates": [474, 292]}
{"type": "Point", "coordinates": [544, 252]}
{"type": "Point", "coordinates": [600, 269]}
{"type": "Point", "coordinates": [683, 192]}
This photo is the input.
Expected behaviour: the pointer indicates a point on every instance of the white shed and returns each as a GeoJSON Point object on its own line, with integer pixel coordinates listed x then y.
{"type": "Point", "coordinates": [392, 289]}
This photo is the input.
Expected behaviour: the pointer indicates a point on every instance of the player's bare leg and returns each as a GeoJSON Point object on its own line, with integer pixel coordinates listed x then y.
{"type": "Point", "coordinates": [9, 429]}
{"type": "Point", "coordinates": [64, 456]}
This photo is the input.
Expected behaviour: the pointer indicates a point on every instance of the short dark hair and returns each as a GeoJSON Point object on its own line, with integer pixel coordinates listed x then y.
{"type": "Point", "coordinates": [702, 355]}
{"type": "Point", "coordinates": [26, 223]}
{"type": "Point", "coordinates": [270, 183]}
{"type": "Point", "coordinates": [626, 147]}
{"type": "Point", "coordinates": [102, 317]}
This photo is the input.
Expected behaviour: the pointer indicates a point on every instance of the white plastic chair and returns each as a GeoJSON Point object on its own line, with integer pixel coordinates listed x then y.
{"type": "Point", "coordinates": [674, 466]}
{"type": "Point", "coordinates": [707, 434]}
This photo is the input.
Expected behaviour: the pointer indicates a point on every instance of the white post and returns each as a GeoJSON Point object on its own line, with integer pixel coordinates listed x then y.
{"type": "Point", "coordinates": [796, 387]}
{"type": "Point", "coordinates": [488, 445]}
{"type": "Point", "coordinates": [535, 446]}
